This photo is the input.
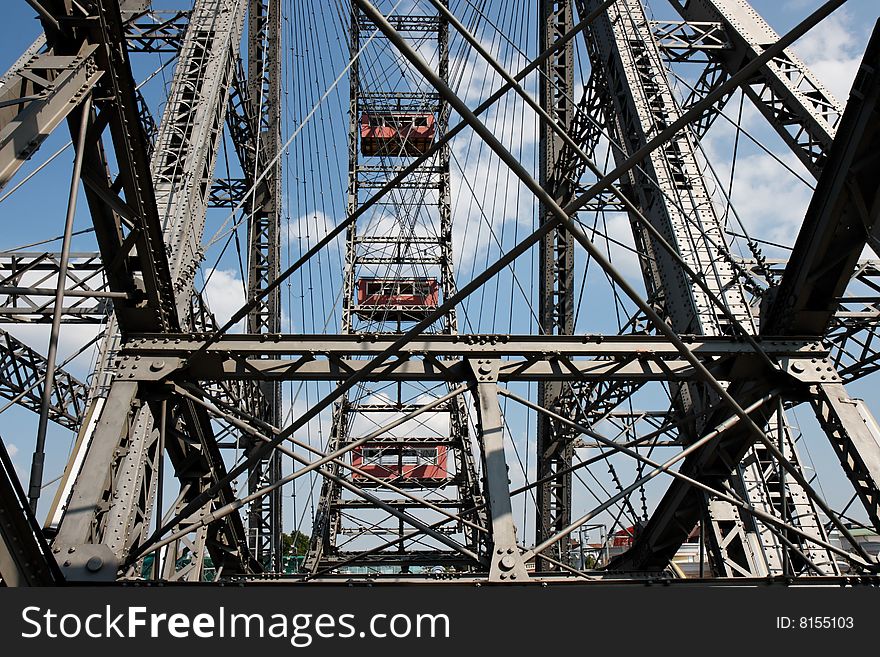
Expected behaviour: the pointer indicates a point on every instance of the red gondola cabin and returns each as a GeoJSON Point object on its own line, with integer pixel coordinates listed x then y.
{"type": "Point", "coordinates": [397, 133]}
{"type": "Point", "coordinates": [405, 299]}
{"type": "Point", "coordinates": [419, 465]}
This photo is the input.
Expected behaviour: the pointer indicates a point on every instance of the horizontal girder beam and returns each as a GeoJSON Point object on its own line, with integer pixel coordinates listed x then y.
{"type": "Point", "coordinates": [528, 358]}
{"type": "Point", "coordinates": [473, 346]}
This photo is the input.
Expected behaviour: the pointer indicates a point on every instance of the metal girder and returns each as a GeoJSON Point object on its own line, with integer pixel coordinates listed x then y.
{"type": "Point", "coordinates": [25, 559]}
{"type": "Point", "coordinates": [42, 88]}
{"type": "Point", "coordinates": [589, 123]}
{"type": "Point", "coordinates": [264, 256]}
{"type": "Point", "coordinates": [680, 41]}
{"type": "Point", "coordinates": [182, 165]}
{"type": "Point", "coordinates": [92, 489]}
{"type": "Point", "coordinates": [556, 295]}
{"type": "Point", "coordinates": [156, 32]}
{"type": "Point", "coordinates": [228, 192]}
{"type": "Point", "coordinates": [531, 347]}
{"type": "Point", "coordinates": [821, 264]}
{"type": "Point", "coordinates": [242, 124]}
{"type": "Point", "coordinates": [792, 99]}
{"type": "Point", "coordinates": [328, 358]}
{"type": "Point", "coordinates": [150, 291]}
{"type": "Point", "coordinates": [840, 221]}
{"type": "Point", "coordinates": [189, 135]}
{"type": "Point", "coordinates": [633, 369]}
{"type": "Point", "coordinates": [36, 95]}
{"type": "Point", "coordinates": [28, 281]}
{"type": "Point", "coordinates": [22, 373]}
{"type": "Point", "coordinates": [671, 191]}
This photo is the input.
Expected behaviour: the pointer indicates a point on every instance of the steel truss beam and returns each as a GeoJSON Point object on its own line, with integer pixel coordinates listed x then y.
{"type": "Point", "coordinates": [679, 40]}
{"type": "Point", "coordinates": [153, 32]}
{"type": "Point", "coordinates": [792, 99]}
{"type": "Point", "coordinates": [40, 90]}
{"type": "Point", "coordinates": [855, 329]}
{"type": "Point", "coordinates": [556, 269]}
{"type": "Point", "coordinates": [245, 345]}
{"type": "Point", "coordinates": [189, 135]}
{"type": "Point", "coordinates": [823, 260]}
{"type": "Point", "coordinates": [28, 279]}
{"type": "Point", "coordinates": [22, 378]}
{"type": "Point", "coordinates": [263, 209]}
{"type": "Point", "coordinates": [132, 244]}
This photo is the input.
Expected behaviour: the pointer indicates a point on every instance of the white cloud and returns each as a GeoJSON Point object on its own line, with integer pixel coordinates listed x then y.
{"type": "Point", "coordinates": [12, 449]}
{"type": "Point", "coordinates": [71, 339]}
{"type": "Point", "coordinates": [225, 294]}
{"type": "Point", "coordinates": [771, 202]}
{"type": "Point", "coordinates": [310, 228]}
{"type": "Point", "coordinates": [769, 199]}
{"type": "Point", "coordinates": [487, 197]}
{"type": "Point", "coordinates": [427, 424]}
{"type": "Point", "coordinates": [833, 51]}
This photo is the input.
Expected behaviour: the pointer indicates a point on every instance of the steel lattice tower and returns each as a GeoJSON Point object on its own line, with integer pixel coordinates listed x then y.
{"type": "Point", "coordinates": [427, 406]}
{"type": "Point", "coordinates": [412, 247]}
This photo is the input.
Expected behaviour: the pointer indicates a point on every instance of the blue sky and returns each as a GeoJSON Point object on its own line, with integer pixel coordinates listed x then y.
{"type": "Point", "coordinates": [491, 210]}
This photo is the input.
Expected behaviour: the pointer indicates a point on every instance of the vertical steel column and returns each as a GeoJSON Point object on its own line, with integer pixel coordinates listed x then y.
{"type": "Point", "coordinates": [556, 270]}
{"type": "Point", "coordinates": [507, 563]}
{"type": "Point", "coordinates": [264, 257]}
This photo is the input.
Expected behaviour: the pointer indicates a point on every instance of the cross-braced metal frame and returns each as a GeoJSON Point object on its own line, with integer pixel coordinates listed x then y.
{"type": "Point", "coordinates": [181, 429]}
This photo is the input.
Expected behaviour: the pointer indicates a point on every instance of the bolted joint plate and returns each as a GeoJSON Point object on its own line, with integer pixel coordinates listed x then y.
{"type": "Point", "coordinates": [811, 370]}
{"type": "Point", "coordinates": [507, 565]}
{"type": "Point", "coordinates": [88, 562]}
{"type": "Point", "coordinates": [146, 368]}
{"type": "Point", "coordinates": [485, 369]}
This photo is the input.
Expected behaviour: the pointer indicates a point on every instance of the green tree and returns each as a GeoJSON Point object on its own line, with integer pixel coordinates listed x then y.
{"type": "Point", "coordinates": [296, 543]}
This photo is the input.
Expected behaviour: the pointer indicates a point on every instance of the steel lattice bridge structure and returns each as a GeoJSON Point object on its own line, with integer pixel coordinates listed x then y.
{"type": "Point", "coordinates": [425, 421]}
